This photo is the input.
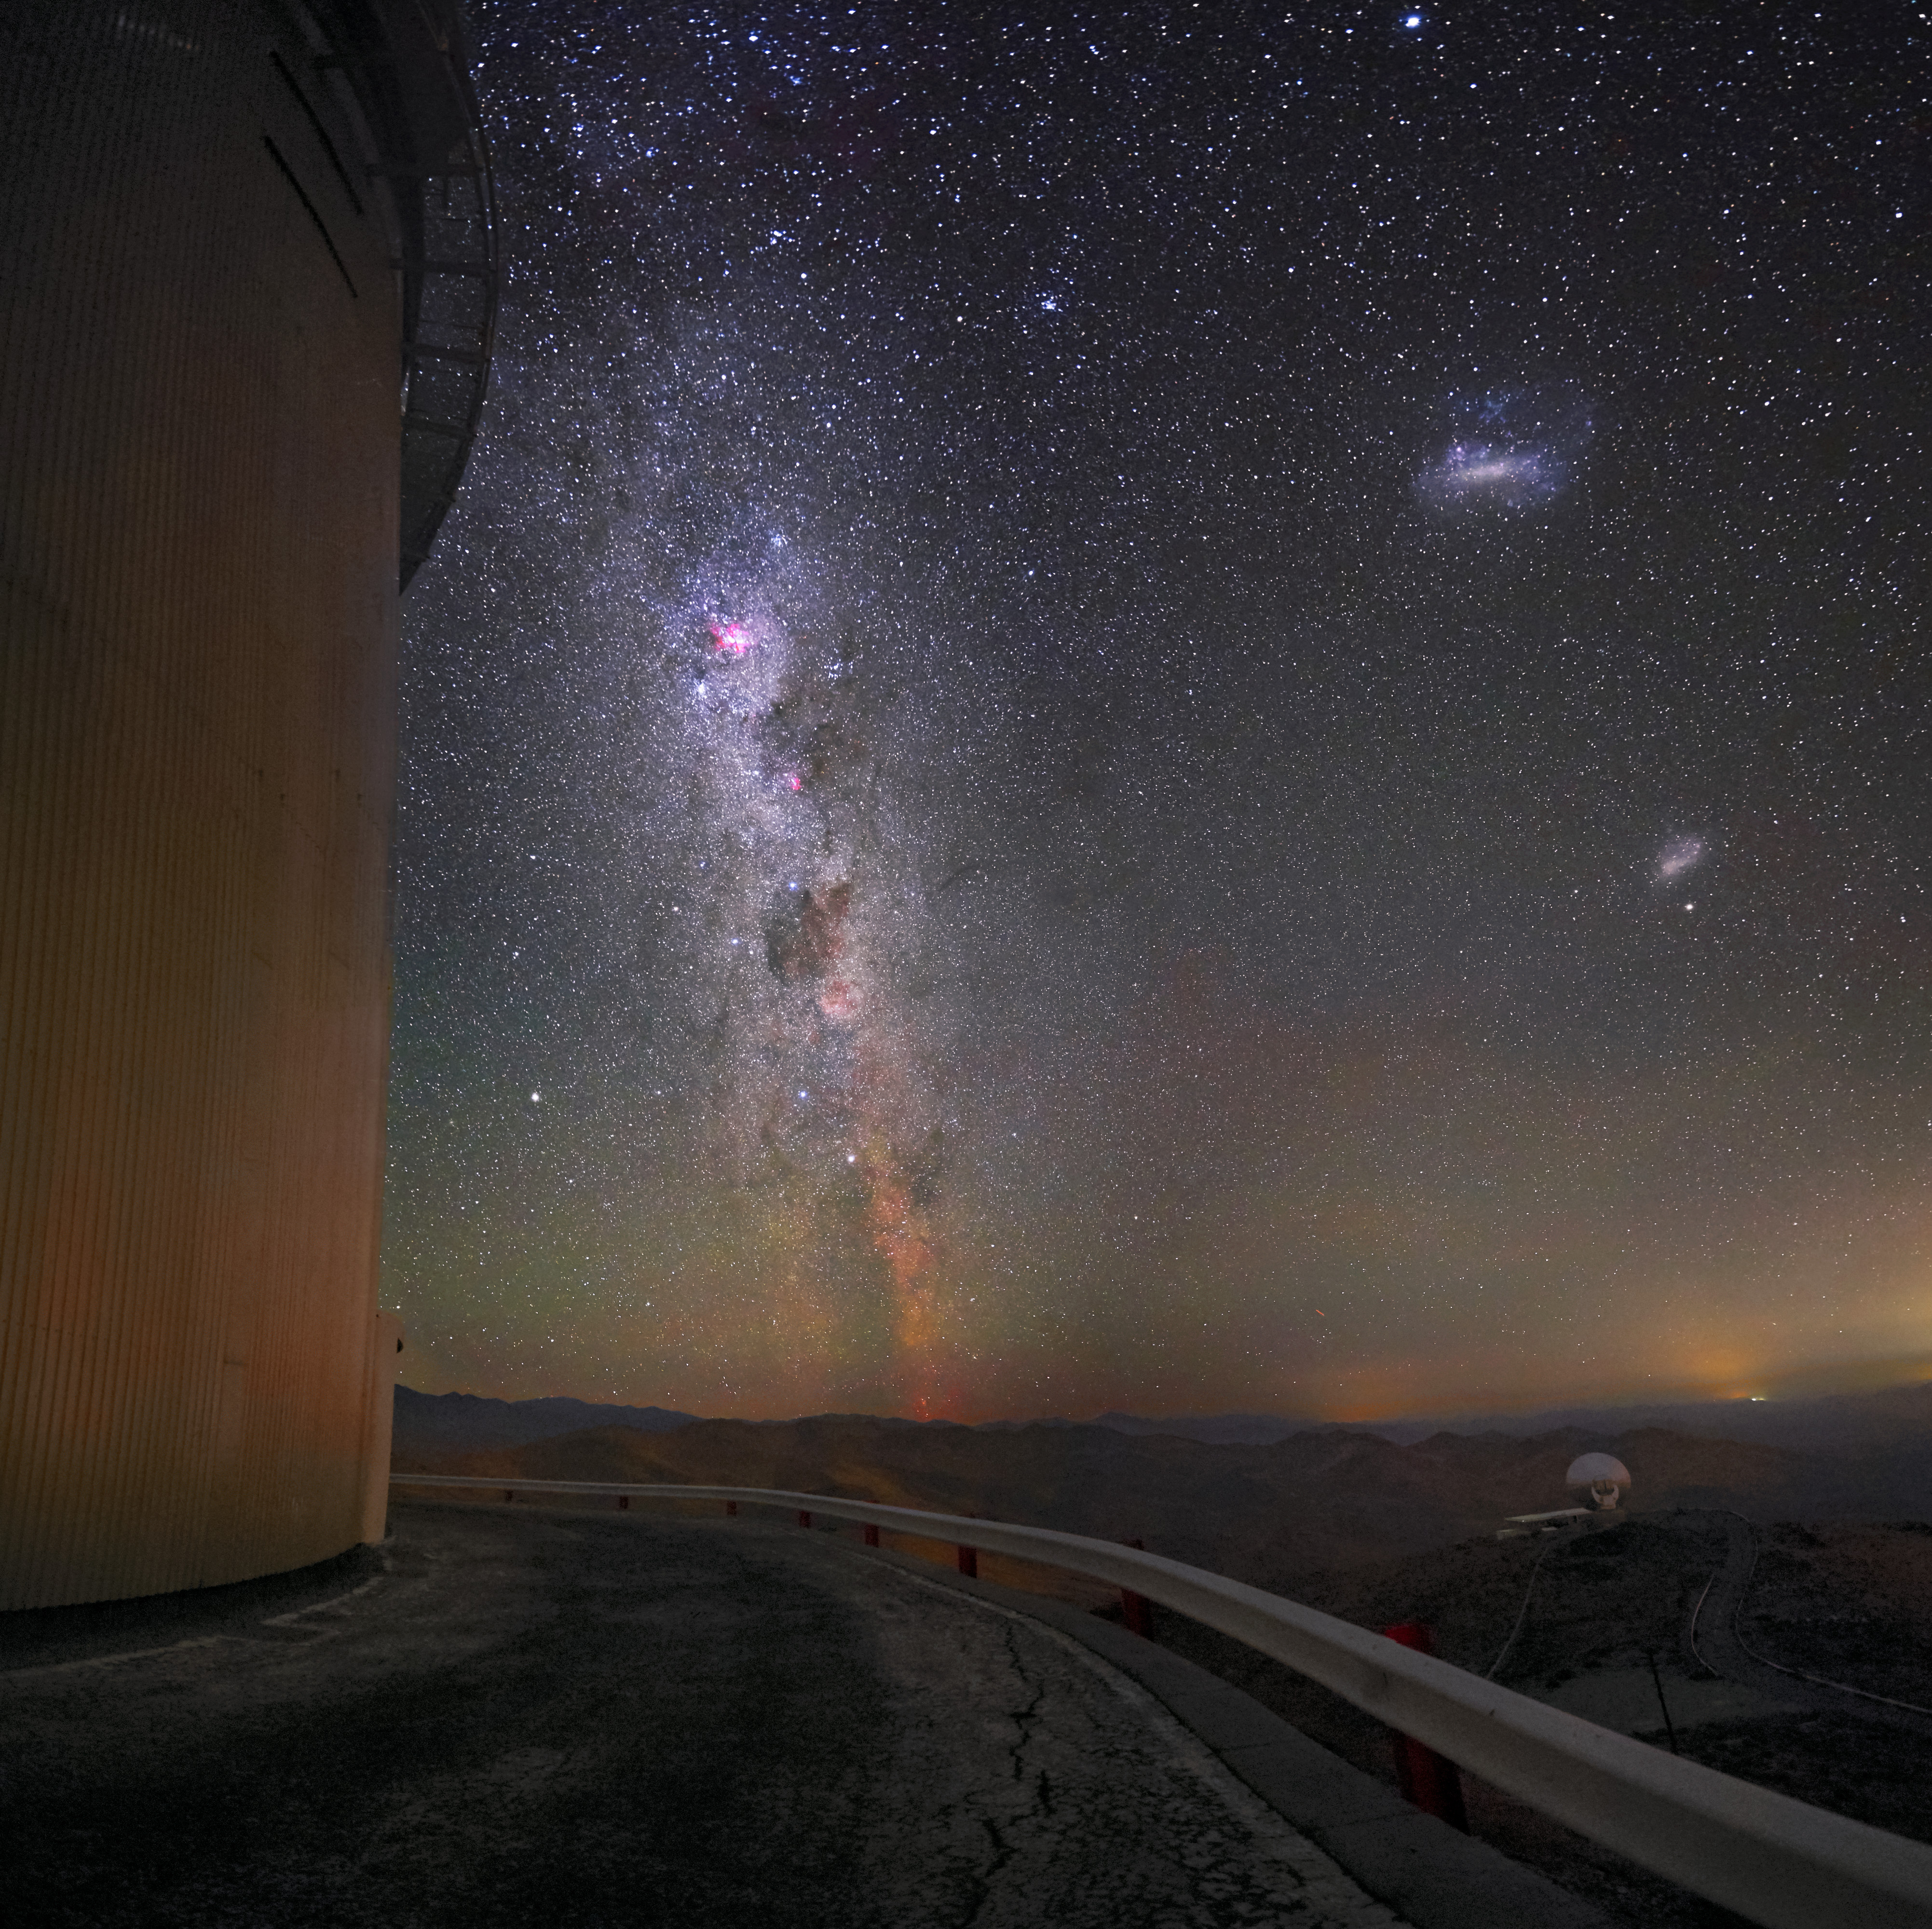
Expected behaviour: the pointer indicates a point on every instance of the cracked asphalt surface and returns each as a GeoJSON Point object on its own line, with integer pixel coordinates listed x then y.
{"type": "Point", "coordinates": [567, 1718]}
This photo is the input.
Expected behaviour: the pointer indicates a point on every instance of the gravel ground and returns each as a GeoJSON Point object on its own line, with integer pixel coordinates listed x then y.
{"type": "Point", "coordinates": [1850, 1601]}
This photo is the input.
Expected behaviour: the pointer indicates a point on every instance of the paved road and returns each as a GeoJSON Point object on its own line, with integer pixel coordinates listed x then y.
{"type": "Point", "coordinates": [580, 1719]}
{"type": "Point", "coordinates": [1718, 1646]}
{"type": "Point", "coordinates": [1715, 1638]}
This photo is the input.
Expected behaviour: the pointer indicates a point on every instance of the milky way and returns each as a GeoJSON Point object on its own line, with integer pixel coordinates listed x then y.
{"type": "Point", "coordinates": [1057, 719]}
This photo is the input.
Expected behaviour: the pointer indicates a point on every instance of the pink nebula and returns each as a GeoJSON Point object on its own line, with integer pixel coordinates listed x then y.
{"type": "Point", "coordinates": [732, 639]}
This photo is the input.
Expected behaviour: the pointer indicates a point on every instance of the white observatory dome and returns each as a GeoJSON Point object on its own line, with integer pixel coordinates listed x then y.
{"type": "Point", "coordinates": [1603, 1474]}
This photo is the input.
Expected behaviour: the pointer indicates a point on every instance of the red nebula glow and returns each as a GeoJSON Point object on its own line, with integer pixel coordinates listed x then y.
{"type": "Point", "coordinates": [796, 782]}
{"type": "Point", "coordinates": [732, 639]}
{"type": "Point", "coordinates": [901, 1238]}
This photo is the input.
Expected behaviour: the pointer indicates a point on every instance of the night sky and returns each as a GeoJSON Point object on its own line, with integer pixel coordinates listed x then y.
{"type": "Point", "coordinates": [1188, 707]}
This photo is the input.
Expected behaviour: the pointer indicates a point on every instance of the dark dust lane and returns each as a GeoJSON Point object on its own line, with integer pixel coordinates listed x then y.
{"type": "Point", "coordinates": [573, 1719]}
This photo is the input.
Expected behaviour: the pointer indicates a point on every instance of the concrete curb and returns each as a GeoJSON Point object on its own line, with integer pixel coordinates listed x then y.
{"type": "Point", "coordinates": [1429, 1874]}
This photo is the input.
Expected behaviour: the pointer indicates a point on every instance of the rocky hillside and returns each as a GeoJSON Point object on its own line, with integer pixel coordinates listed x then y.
{"type": "Point", "coordinates": [1314, 1501]}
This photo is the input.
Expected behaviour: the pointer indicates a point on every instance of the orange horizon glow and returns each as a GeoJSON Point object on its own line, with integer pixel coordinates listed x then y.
{"type": "Point", "coordinates": [951, 1403]}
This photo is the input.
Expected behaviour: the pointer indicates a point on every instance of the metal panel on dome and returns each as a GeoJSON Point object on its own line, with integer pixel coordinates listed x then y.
{"type": "Point", "coordinates": [402, 71]}
{"type": "Point", "coordinates": [206, 285]}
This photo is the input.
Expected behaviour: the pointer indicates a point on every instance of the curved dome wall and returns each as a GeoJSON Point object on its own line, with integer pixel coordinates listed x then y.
{"type": "Point", "coordinates": [203, 214]}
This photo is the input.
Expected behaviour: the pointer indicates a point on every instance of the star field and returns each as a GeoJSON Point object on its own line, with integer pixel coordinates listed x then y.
{"type": "Point", "coordinates": [1184, 707]}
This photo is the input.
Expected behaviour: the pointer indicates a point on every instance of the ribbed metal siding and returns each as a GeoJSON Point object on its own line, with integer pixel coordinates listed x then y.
{"type": "Point", "coordinates": [385, 1368]}
{"type": "Point", "coordinates": [199, 452]}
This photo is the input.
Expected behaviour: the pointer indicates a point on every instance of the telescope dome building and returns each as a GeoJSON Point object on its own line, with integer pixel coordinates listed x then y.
{"type": "Point", "coordinates": [247, 290]}
{"type": "Point", "coordinates": [1605, 1477]}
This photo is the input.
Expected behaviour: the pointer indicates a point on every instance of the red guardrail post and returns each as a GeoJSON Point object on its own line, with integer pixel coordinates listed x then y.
{"type": "Point", "coordinates": [623, 1503]}
{"type": "Point", "coordinates": [804, 1519]}
{"type": "Point", "coordinates": [969, 1562]}
{"type": "Point", "coordinates": [1136, 1614]}
{"type": "Point", "coordinates": [1431, 1781]}
{"type": "Point", "coordinates": [509, 1495]}
{"type": "Point", "coordinates": [872, 1534]}
{"type": "Point", "coordinates": [731, 1507]}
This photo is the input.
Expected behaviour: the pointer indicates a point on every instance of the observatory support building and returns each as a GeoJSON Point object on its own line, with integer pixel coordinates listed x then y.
{"type": "Point", "coordinates": [247, 296]}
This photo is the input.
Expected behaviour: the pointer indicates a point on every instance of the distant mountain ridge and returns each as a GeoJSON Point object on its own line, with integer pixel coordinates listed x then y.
{"type": "Point", "coordinates": [1829, 1422]}
{"type": "Point", "coordinates": [1214, 1430]}
{"type": "Point", "coordinates": [467, 1423]}
{"type": "Point", "coordinates": [1890, 1418]}
{"type": "Point", "coordinates": [1269, 1514]}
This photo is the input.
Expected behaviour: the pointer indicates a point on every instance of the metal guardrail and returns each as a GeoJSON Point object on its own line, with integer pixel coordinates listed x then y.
{"type": "Point", "coordinates": [1780, 1862]}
